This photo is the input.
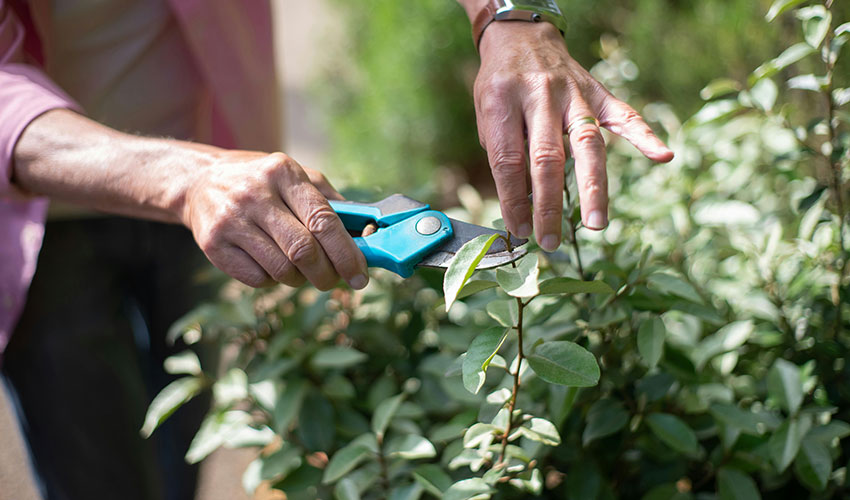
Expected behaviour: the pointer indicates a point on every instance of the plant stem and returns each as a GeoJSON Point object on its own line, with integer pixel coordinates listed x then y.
{"type": "Point", "coordinates": [572, 229]}
{"type": "Point", "coordinates": [382, 461]}
{"type": "Point", "coordinates": [519, 357]}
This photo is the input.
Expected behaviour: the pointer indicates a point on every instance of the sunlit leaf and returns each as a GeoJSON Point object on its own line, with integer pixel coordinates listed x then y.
{"type": "Point", "coordinates": [337, 357]}
{"type": "Point", "coordinates": [468, 489]}
{"type": "Point", "coordinates": [791, 55]}
{"type": "Point", "coordinates": [505, 312]}
{"type": "Point", "coordinates": [173, 396]}
{"type": "Point", "coordinates": [565, 363]}
{"type": "Point", "coordinates": [764, 93]}
{"type": "Point", "coordinates": [482, 349]}
{"type": "Point", "coordinates": [410, 447]}
{"type": "Point", "coordinates": [780, 6]}
{"type": "Point", "coordinates": [184, 363]}
{"type": "Point", "coordinates": [719, 87]}
{"type": "Point", "coordinates": [785, 442]}
{"type": "Point", "coordinates": [463, 265]}
{"type": "Point", "coordinates": [816, 22]}
{"type": "Point", "coordinates": [521, 281]}
{"type": "Point", "coordinates": [541, 430]}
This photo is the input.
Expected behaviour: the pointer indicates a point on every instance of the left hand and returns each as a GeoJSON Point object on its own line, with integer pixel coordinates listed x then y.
{"type": "Point", "coordinates": [528, 87]}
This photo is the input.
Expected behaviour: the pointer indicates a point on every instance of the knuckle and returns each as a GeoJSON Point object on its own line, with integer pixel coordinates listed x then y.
{"type": "Point", "coordinates": [548, 155]}
{"type": "Point", "coordinates": [594, 185]}
{"type": "Point", "coordinates": [322, 220]}
{"type": "Point", "coordinates": [302, 250]}
{"type": "Point", "coordinates": [281, 270]}
{"type": "Point", "coordinates": [507, 162]}
{"type": "Point", "coordinates": [589, 138]}
{"type": "Point", "coordinates": [548, 213]}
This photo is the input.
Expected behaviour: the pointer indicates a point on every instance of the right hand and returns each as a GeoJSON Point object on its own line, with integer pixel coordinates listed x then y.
{"type": "Point", "coordinates": [262, 218]}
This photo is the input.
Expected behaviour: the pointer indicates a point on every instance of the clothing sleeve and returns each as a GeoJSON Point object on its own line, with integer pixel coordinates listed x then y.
{"type": "Point", "coordinates": [25, 93]}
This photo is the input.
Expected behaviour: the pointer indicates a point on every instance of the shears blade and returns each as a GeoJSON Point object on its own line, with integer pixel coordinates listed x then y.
{"type": "Point", "coordinates": [497, 255]}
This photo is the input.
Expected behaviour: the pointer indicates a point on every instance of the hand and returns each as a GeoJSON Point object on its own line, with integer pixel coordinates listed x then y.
{"type": "Point", "coordinates": [528, 82]}
{"type": "Point", "coordinates": [263, 219]}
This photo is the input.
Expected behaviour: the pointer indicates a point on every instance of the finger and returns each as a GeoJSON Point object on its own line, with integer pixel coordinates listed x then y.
{"type": "Point", "coordinates": [546, 163]}
{"type": "Point", "coordinates": [623, 120]}
{"type": "Point", "coordinates": [500, 124]}
{"type": "Point", "coordinates": [317, 216]}
{"type": "Point", "coordinates": [323, 185]}
{"type": "Point", "coordinates": [267, 253]}
{"type": "Point", "coordinates": [239, 265]}
{"type": "Point", "coordinates": [588, 149]}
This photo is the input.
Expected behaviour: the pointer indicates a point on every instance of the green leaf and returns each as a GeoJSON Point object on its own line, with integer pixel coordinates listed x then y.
{"type": "Point", "coordinates": [504, 312]}
{"type": "Point", "coordinates": [808, 82]}
{"type": "Point", "coordinates": [230, 388]}
{"type": "Point", "coordinates": [468, 489]}
{"type": "Point", "coordinates": [337, 357]}
{"type": "Point", "coordinates": [781, 6]}
{"type": "Point", "coordinates": [572, 286]}
{"type": "Point", "coordinates": [478, 357]}
{"type": "Point", "coordinates": [816, 22]}
{"type": "Point", "coordinates": [673, 285]}
{"type": "Point", "coordinates": [316, 422]}
{"type": "Point", "coordinates": [345, 460]}
{"type": "Point", "coordinates": [542, 431]}
{"type": "Point", "coordinates": [279, 464]}
{"type": "Point", "coordinates": [384, 413]}
{"type": "Point", "coordinates": [475, 286]}
{"type": "Point", "coordinates": [171, 397]}
{"type": "Point", "coordinates": [791, 55]}
{"type": "Point", "coordinates": [411, 491]}
{"type": "Point", "coordinates": [764, 94]}
{"type": "Point", "coordinates": [605, 417]}
{"type": "Point", "coordinates": [214, 431]}
{"type": "Point", "coordinates": [829, 433]}
{"type": "Point", "coordinates": [565, 363]}
{"type": "Point", "coordinates": [785, 443]}
{"type": "Point", "coordinates": [184, 363]}
{"type": "Point", "coordinates": [522, 281]}
{"type": "Point", "coordinates": [719, 87]}
{"type": "Point", "coordinates": [744, 420]}
{"type": "Point", "coordinates": [732, 484]}
{"type": "Point", "coordinates": [674, 433]}
{"type": "Point", "coordinates": [433, 478]}
{"type": "Point", "coordinates": [288, 405]}
{"type": "Point", "coordinates": [410, 447]}
{"type": "Point", "coordinates": [785, 385]}
{"type": "Point", "coordinates": [346, 489]}
{"type": "Point", "coordinates": [813, 464]}
{"type": "Point", "coordinates": [729, 337]}
{"type": "Point", "coordinates": [463, 265]}
{"type": "Point", "coordinates": [650, 340]}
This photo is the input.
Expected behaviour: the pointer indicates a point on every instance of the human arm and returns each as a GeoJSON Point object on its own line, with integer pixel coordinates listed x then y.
{"type": "Point", "coordinates": [258, 217]}
{"type": "Point", "coordinates": [529, 88]}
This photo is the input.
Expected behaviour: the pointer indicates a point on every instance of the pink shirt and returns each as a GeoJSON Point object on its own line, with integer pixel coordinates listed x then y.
{"type": "Point", "coordinates": [231, 42]}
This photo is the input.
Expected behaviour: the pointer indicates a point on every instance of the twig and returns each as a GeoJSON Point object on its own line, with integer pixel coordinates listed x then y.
{"type": "Point", "coordinates": [572, 228]}
{"type": "Point", "coordinates": [512, 404]}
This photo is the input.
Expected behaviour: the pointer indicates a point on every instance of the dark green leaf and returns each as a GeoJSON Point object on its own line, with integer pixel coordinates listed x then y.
{"type": "Point", "coordinates": [565, 363]}
{"type": "Point", "coordinates": [813, 464]}
{"type": "Point", "coordinates": [745, 420]}
{"type": "Point", "coordinates": [732, 484]}
{"type": "Point", "coordinates": [674, 432]}
{"type": "Point", "coordinates": [481, 351]}
{"type": "Point", "coordinates": [384, 413]}
{"type": "Point", "coordinates": [463, 265]}
{"type": "Point", "coordinates": [572, 286]}
{"type": "Point", "coordinates": [785, 385]}
{"type": "Point", "coordinates": [288, 405]}
{"type": "Point", "coordinates": [316, 422]}
{"type": "Point", "coordinates": [346, 489]}
{"type": "Point", "coordinates": [433, 478]}
{"type": "Point", "coordinates": [337, 357]}
{"type": "Point", "coordinates": [785, 443]}
{"type": "Point", "coordinates": [827, 434]}
{"type": "Point", "coordinates": [522, 280]}
{"type": "Point", "coordinates": [650, 340]}
{"type": "Point", "coordinates": [605, 417]}
{"type": "Point", "coordinates": [344, 460]}
{"type": "Point", "coordinates": [673, 285]}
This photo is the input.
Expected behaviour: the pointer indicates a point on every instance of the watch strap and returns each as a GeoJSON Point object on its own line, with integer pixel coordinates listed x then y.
{"type": "Point", "coordinates": [483, 19]}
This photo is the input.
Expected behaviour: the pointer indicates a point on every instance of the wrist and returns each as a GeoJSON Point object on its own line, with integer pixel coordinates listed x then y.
{"type": "Point", "coordinates": [503, 33]}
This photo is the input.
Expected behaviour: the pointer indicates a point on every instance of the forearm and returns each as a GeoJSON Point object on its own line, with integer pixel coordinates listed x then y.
{"type": "Point", "coordinates": [68, 157]}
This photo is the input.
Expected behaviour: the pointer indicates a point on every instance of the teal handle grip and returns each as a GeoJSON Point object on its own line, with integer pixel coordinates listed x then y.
{"type": "Point", "coordinates": [401, 246]}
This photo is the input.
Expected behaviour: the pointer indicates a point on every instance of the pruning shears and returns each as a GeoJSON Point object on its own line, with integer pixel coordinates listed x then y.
{"type": "Point", "coordinates": [411, 235]}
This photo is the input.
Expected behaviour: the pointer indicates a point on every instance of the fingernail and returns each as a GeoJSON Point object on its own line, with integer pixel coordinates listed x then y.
{"type": "Point", "coordinates": [524, 230]}
{"type": "Point", "coordinates": [359, 282]}
{"type": "Point", "coordinates": [549, 242]}
{"type": "Point", "coordinates": [596, 220]}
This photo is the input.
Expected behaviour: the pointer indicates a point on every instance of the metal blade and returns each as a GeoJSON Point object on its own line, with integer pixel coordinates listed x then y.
{"type": "Point", "coordinates": [497, 255]}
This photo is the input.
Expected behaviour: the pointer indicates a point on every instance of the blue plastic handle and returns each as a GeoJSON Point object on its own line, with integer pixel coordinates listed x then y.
{"type": "Point", "coordinates": [397, 245]}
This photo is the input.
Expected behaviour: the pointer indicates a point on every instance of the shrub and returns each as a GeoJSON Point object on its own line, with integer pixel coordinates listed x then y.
{"type": "Point", "coordinates": [695, 349]}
